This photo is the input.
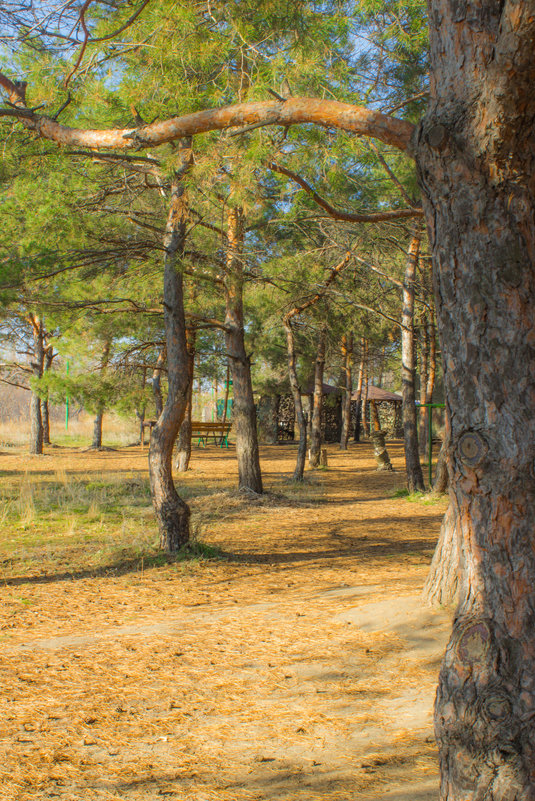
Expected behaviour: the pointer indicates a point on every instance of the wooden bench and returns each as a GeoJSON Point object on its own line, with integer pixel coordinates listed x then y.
{"type": "Point", "coordinates": [218, 432]}
{"type": "Point", "coordinates": [203, 432]}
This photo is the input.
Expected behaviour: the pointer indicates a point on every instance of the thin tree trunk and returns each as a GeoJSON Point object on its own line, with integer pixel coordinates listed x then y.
{"type": "Point", "coordinates": [375, 416]}
{"type": "Point", "coordinates": [424, 377]}
{"type": "Point", "coordinates": [157, 381]}
{"type": "Point", "coordinates": [298, 401]}
{"type": "Point", "coordinates": [172, 513]}
{"type": "Point", "coordinates": [183, 454]}
{"type": "Point", "coordinates": [347, 353]}
{"type": "Point", "coordinates": [415, 479]}
{"type": "Point", "coordinates": [360, 381]}
{"type": "Point", "coordinates": [37, 364]}
{"type": "Point", "coordinates": [45, 414]}
{"type": "Point", "coordinates": [140, 413]}
{"type": "Point", "coordinates": [365, 419]}
{"type": "Point", "coordinates": [227, 390]}
{"type": "Point", "coordinates": [97, 425]}
{"type": "Point", "coordinates": [315, 431]}
{"type": "Point", "coordinates": [244, 412]}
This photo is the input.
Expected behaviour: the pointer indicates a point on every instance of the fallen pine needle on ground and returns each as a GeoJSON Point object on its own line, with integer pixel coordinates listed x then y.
{"type": "Point", "coordinates": [285, 655]}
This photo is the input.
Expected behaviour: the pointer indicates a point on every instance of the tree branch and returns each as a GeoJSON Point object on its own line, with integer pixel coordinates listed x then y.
{"type": "Point", "coordinates": [294, 110]}
{"type": "Point", "coordinates": [336, 214]}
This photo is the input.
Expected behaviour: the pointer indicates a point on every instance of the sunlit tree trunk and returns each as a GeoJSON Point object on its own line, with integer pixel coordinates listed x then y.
{"type": "Point", "coordinates": [415, 479]}
{"type": "Point", "coordinates": [172, 513]}
{"type": "Point", "coordinates": [298, 401]}
{"type": "Point", "coordinates": [37, 365]}
{"type": "Point", "coordinates": [315, 430]}
{"type": "Point", "coordinates": [183, 454]}
{"type": "Point", "coordinates": [360, 382]}
{"type": "Point", "coordinates": [243, 412]}
{"type": "Point", "coordinates": [476, 156]}
{"type": "Point", "coordinates": [157, 381]}
{"type": "Point", "coordinates": [347, 353]}
{"type": "Point", "coordinates": [45, 411]}
{"type": "Point", "coordinates": [97, 423]}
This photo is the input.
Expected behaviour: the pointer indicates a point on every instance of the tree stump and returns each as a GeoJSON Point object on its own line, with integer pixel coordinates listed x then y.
{"type": "Point", "coordinates": [379, 450]}
{"type": "Point", "coordinates": [323, 458]}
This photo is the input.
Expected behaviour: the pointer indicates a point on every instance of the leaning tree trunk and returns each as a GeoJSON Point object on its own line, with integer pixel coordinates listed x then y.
{"type": "Point", "coordinates": [243, 411]}
{"type": "Point", "coordinates": [347, 353]}
{"type": "Point", "coordinates": [415, 479]}
{"type": "Point", "coordinates": [298, 401]}
{"type": "Point", "coordinates": [315, 429]}
{"type": "Point", "coordinates": [476, 157]}
{"type": "Point", "coordinates": [172, 513]}
{"type": "Point", "coordinates": [183, 453]}
{"type": "Point", "coordinates": [37, 365]}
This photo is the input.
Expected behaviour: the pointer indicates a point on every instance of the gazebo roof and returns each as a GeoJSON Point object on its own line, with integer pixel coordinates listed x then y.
{"type": "Point", "coordinates": [378, 394]}
{"type": "Point", "coordinates": [328, 389]}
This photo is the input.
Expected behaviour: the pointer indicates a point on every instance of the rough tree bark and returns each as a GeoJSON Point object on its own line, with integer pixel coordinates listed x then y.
{"type": "Point", "coordinates": [243, 410]}
{"type": "Point", "coordinates": [442, 583]}
{"type": "Point", "coordinates": [172, 513]}
{"type": "Point", "coordinates": [315, 429]}
{"type": "Point", "coordinates": [183, 453]}
{"type": "Point", "coordinates": [347, 353]}
{"type": "Point", "coordinates": [415, 479]}
{"type": "Point", "coordinates": [476, 156]}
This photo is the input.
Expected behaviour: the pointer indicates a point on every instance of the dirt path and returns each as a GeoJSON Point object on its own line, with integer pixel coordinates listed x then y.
{"type": "Point", "coordinates": [301, 666]}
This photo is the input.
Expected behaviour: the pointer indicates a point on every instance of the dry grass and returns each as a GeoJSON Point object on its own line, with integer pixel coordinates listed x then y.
{"type": "Point", "coordinates": [229, 675]}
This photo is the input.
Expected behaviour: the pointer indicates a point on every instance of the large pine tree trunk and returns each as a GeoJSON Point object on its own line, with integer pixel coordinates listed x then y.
{"type": "Point", "coordinates": [172, 513]}
{"type": "Point", "coordinates": [476, 158]}
{"type": "Point", "coordinates": [315, 429]}
{"type": "Point", "coordinates": [243, 412]}
{"type": "Point", "coordinates": [183, 453]}
{"type": "Point", "coordinates": [347, 353]}
{"type": "Point", "coordinates": [37, 364]}
{"type": "Point", "coordinates": [415, 479]}
{"type": "Point", "coordinates": [298, 402]}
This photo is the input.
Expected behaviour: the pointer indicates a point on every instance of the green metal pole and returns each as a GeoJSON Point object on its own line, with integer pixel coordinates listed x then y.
{"type": "Point", "coordinates": [67, 404]}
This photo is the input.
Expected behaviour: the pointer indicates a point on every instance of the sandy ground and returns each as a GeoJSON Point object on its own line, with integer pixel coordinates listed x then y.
{"type": "Point", "coordinates": [302, 665]}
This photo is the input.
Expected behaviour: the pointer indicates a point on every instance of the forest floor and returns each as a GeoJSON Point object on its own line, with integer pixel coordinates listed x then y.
{"type": "Point", "coordinates": [288, 657]}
